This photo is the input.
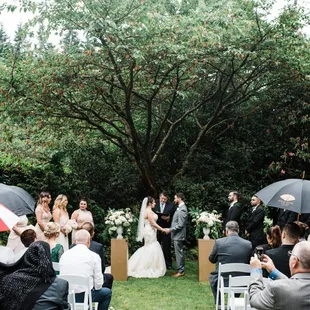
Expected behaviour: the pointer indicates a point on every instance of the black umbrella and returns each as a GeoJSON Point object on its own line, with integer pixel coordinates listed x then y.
{"type": "Point", "coordinates": [16, 199]}
{"type": "Point", "coordinates": [290, 194]}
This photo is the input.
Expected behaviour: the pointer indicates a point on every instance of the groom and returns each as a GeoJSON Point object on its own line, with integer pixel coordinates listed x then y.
{"type": "Point", "coordinates": [178, 233]}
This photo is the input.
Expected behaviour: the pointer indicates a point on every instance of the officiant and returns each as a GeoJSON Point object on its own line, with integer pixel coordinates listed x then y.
{"type": "Point", "coordinates": [165, 211]}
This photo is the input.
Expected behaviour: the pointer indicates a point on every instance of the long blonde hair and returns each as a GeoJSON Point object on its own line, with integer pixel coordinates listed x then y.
{"type": "Point", "coordinates": [59, 203]}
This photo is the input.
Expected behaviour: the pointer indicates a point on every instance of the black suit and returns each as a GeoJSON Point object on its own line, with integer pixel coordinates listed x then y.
{"type": "Point", "coordinates": [233, 213]}
{"type": "Point", "coordinates": [255, 227]}
{"type": "Point", "coordinates": [98, 248]}
{"type": "Point", "coordinates": [165, 239]}
{"type": "Point", "coordinates": [280, 258]}
{"type": "Point", "coordinates": [286, 216]}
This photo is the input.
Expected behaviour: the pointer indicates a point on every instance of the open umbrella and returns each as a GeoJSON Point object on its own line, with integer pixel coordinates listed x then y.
{"type": "Point", "coordinates": [290, 194]}
{"type": "Point", "coordinates": [7, 218]}
{"type": "Point", "coordinates": [16, 199]}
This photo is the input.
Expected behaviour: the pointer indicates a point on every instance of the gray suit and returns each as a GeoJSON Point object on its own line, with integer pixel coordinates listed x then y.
{"type": "Point", "coordinates": [231, 249]}
{"type": "Point", "coordinates": [282, 294]}
{"type": "Point", "coordinates": [178, 235]}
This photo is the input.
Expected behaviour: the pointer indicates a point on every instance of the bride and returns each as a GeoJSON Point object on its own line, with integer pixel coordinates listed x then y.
{"type": "Point", "coordinates": [148, 261]}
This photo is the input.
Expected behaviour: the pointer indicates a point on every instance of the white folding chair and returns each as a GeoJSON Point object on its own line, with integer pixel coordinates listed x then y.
{"type": "Point", "coordinates": [71, 300]}
{"type": "Point", "coordinates": [227, 269]}
{"type": "Point", "coordinates": [83, 283]}
{"type": "Point", "coordinates": [56, 266]}
{"type": "Point", "coordinates": [238, 285]}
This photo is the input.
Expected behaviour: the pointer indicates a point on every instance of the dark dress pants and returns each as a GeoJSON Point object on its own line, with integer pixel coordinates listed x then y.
{"type": "Point", "coordinates": [165, 242]}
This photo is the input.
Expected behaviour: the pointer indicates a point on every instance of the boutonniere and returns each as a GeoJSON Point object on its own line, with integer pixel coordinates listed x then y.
{"type": "Point", "coordinates": [178, 208]}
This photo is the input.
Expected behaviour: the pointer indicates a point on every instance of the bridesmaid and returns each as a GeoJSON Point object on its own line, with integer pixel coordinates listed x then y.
{"type": "Point", "coordinates": [43, 215]}
{"type": "Point", "coordinates": [81, 216]}
{"type": "Point", "coordinates": [61, 217]}
{"type": "Point", "coordinates": [14, 237]}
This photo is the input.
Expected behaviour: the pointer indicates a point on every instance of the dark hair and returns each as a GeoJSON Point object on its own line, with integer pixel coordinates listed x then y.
{"type": "Point", "coordinates": [149, 200]}
{"type": "Point", "coordinates": [89, 227]}
{"type": "Point", "coordinates": [180, 195]}
{"type": "Point", "coordinates": [83, 198]}
{"type": "Point", "coordinates": [164, 194]}
{"type": "Point", "coordinates": [235, 193]}
{"type": "Point", "coordinates": [292, 231]}
{"type": "Point", "coordinates": [274, 234]}
{"type": "Point", "coordinates": [232, 226]}
{"type": "Point", "coordinates": [27, 237]}
{"type": "Point", "coordinates": [302, 227]}
{"type": "Point", "coordinates": [43, 195]}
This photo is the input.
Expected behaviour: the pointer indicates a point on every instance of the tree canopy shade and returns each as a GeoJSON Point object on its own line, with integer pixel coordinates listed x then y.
{"type": "Point", "coordinates": [153, 78]}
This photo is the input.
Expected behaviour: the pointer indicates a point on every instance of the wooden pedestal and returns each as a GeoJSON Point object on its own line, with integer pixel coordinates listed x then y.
{"type": "Point", "coordinates": [119, 259]}
{"type": "Point", "coordinates": [205, 267]}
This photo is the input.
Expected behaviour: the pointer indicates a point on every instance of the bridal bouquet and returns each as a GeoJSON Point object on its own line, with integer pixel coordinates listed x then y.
{"type": "Point", "coordinates": [206, 222]}
{"type": "Point", "coordinates": [119, 219]}
{"type": "Point", "coordinates": [69, 226]}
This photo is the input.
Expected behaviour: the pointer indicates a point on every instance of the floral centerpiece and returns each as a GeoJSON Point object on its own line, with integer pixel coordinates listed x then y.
{"type": "Point", "coordinates": [208, 223]}
{"type": "Point", "coordinates": [119, 222]}
{"type": "Point", "coordinates": [69, 226]}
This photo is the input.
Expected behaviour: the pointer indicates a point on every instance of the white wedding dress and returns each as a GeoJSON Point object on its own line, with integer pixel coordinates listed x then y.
{"type": "Point", "coordinates": [148, 261]}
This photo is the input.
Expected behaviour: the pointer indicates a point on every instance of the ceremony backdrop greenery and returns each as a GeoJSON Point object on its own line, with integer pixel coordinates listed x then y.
{"type": "Point", "coordinates": [201, 97]}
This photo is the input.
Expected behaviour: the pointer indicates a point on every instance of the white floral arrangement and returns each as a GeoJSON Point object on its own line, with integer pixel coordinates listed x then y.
{"type": "Point", "coordinates": [267, 223]}
{"type": "Point", "coordinates": [204, 219]}
{"type": "Point", "coordinates": [69, 226]}
{"type": "Point", "coordinates": [119, 218]}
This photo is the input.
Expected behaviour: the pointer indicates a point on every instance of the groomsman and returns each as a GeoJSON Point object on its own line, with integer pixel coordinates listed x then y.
{"type": "Point", "coordinates": [235, 210]}
{"type": "Point", "coordinates": [165, 211]}
{"type": "Point", "coordinates": [178, 233]}
{"type": "Point", "coordinates": [255, 226]}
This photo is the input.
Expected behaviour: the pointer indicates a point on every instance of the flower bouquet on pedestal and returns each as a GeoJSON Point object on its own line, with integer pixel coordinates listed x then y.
{"type": "Point", "coordinates": [118, 223]}
{"type": "Point", "coordinates": [206, 223]}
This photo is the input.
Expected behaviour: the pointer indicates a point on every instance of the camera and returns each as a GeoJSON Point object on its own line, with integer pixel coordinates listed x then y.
{"type": "Point", "coordinates": [259, 252]}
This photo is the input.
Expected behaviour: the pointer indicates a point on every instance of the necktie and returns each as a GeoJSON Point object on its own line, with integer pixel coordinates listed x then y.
{"type": "Point", "coordinates": [162, 207]}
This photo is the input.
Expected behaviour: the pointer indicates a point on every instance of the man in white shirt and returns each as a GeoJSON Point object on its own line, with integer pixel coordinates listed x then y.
{"type": "Point", "coordinates": [82, 262]}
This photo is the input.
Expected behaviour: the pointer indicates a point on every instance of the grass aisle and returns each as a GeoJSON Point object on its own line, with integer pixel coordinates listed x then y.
{"type": "Point", "coordinates": [166, 293]}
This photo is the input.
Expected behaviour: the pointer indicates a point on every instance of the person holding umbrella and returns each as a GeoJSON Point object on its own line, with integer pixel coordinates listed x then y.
{"type": "Point", "coordinates": [43, 215]}
{"type": "Point", "coordinates": [255, 226]}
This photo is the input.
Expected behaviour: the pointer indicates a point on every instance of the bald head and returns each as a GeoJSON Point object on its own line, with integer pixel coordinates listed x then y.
{"type": "Point", "coordinates": [82, 236]}
{"type": "Point", "coordinates": [302, 251]}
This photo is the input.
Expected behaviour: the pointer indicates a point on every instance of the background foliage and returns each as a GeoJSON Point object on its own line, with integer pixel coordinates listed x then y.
{"type": "Point", "coordinates": [143, 96]}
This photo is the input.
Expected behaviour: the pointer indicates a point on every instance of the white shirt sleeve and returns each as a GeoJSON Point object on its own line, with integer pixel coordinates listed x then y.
{"type": "Point", "coordinates": [98, 277]}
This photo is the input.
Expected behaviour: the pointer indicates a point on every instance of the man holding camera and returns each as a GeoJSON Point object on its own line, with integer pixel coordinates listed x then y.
{"type": "Point", "coordinates": [289, 237]}
{"type": "Point", "coordinates": [284, 293]}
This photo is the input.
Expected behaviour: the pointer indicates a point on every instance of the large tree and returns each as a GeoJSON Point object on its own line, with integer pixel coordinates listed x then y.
{"type": "Point", "coordinates": [148, 76]}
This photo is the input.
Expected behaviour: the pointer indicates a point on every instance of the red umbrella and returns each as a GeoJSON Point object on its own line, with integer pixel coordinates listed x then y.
{"type": "Point", "coordinates": [7, 218]}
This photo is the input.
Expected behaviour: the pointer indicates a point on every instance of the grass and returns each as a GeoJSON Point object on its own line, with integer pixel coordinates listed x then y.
{"type": "Point", "coordinates": [166, 293]}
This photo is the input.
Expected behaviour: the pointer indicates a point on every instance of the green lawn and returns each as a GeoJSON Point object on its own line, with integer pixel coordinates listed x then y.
{"type": "Point", "coordinates": [165, 293]}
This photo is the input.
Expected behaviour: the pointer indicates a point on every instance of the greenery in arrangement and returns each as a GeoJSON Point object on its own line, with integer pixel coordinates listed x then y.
{"type": "Point", "coordinates": [209, 220]}
{"type": "Point", "coordinates": [119, 218]}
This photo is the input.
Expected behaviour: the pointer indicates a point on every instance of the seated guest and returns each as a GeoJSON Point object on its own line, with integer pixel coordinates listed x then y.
{"type": "Point", "coordinates": [51, 233]}
{"type": "Point", "coordinates": [31, 283]}
{"type": "Point", "coordinates": [80, 261]}
{"type": "Point", "coordinates": [273, 238]}
{"type": "Point", "coordinates": [98, 248]}
{"type": "Point", "coordinates": [284, 293]}
{"type": "Point", "coordinates": [303, 229]}
{"type": "Point", "coordinates": [27, 237]}
{"type": "Point", "coordinates": [7, 255]}
{"type": "Point", "coordinates": [289, 236]}
{"type": "Point", "coordinates": [230, 249]}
